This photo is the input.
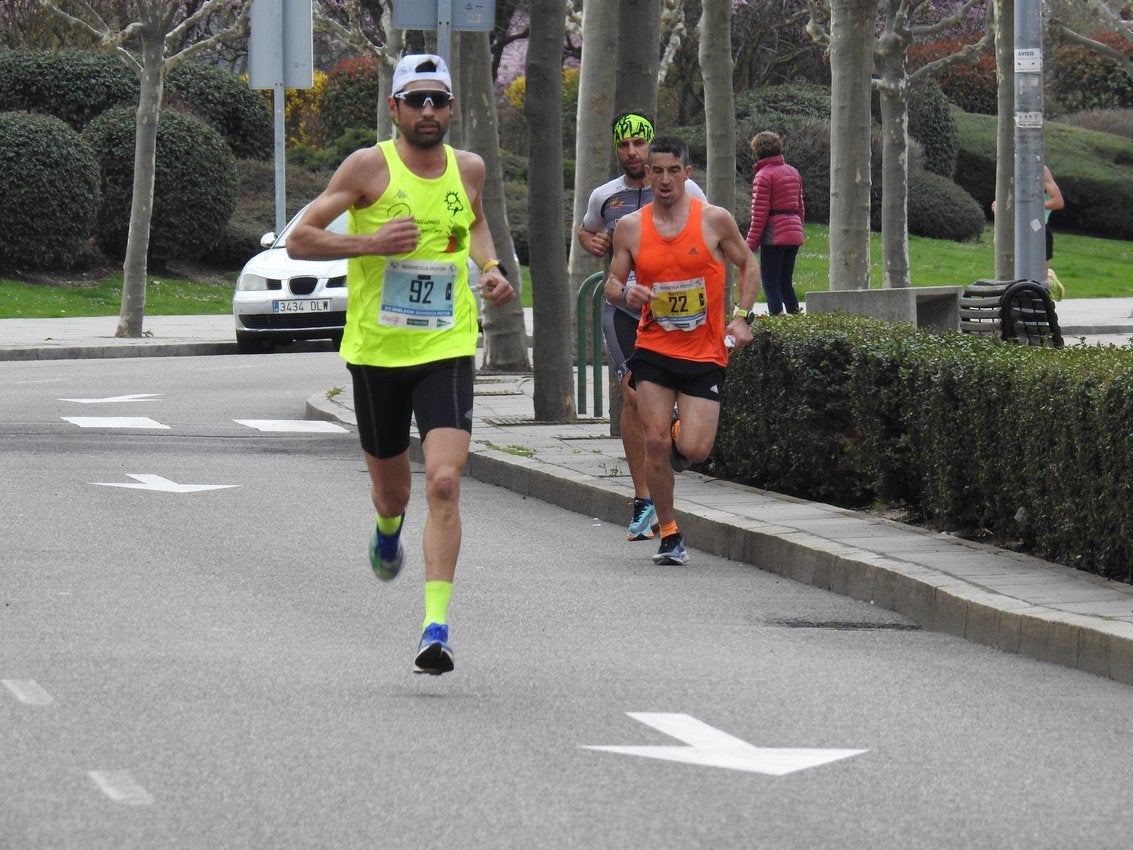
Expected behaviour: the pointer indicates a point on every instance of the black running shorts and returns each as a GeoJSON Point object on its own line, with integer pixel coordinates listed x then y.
{"type": "Point", "coordinates": [438, 395]}
{"type": "Point", "coordinates": [691, 377]}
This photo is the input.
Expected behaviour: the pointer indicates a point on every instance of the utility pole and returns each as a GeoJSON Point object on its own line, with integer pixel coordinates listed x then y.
{"type": "Point", "coordinates": [1030, 221]}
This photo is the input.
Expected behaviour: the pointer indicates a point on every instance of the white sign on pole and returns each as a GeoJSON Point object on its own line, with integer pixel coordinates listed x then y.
{"type": "Point", "coordinates": [1028, 60]}
{"type": "Point", "coordinates": [295, 19]}
{"type": "Point", "coordinates": [467, 15]}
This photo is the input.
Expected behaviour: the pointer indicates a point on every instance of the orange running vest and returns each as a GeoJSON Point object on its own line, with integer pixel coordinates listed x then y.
{"type": "Point", "coordinates": [681, 272]}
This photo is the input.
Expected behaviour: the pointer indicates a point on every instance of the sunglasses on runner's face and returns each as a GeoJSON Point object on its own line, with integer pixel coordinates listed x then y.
{"type": "Point", "coordinates": [419, 99]}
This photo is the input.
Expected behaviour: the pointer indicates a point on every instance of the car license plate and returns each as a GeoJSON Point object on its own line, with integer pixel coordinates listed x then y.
{"type": "Point", "coordinates": [321, 305]}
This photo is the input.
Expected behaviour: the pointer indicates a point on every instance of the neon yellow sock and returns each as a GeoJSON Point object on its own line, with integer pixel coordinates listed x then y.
{"type": "Point", "coordinates": [388, 525]}
{"type": "Point", "coordinates": [437, 596]}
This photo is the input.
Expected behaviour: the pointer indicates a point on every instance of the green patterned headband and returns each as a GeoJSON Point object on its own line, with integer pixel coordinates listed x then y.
{"type": "Point", "coordinates": [632, 127]}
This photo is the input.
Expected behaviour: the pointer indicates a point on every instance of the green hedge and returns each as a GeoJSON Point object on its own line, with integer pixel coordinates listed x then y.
{"type": "Point", "coordinates": [1028, 445]}
{"type": "Point", "coordinates": [49, 183]}
{"type": "Point", "coordinates": [194, 184]}
{"type": "Point", "coordinates": [74, 85]}
{"type": "Point", "coordinates": [224, 100]}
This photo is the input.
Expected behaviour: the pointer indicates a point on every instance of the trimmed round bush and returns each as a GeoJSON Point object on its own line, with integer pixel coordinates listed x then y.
{"type": "Point", "coordinates": [73, 85]}
{"type": "Point", "coordinates": [50, 186]}
{"type": "Point", "coordinates": [194, 184]}
{"type": "Point", "coordinates": [224, 100]}
{"type": "Point", "coordinates": [1083, 79]}
{"type": "Point", "coordinates": [779, 109]}
{"type": "Point", "coordinates": [931, 123]}
{"type": "Point", "coordinates": [940, 209]}
{"type": "Point", "coordinates": [974, 88]}
{"type": "Point", "coordinates": [351, 97]}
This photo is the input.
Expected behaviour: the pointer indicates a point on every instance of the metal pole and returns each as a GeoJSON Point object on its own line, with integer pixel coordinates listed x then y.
{"type": "Point", "coordinates": [278, 95]}
{"type": "Point", "coordinates": [444, 35]}
{"type": "Point", "coordinates": [1030, 236]}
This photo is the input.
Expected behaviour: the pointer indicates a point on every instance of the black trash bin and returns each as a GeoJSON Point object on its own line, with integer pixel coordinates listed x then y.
{"type": "Point", "coordinates": [1019, 311]}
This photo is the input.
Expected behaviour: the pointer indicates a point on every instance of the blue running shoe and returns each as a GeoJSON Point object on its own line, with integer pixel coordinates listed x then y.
{"type": "Point", "coordinates": [434, 655]}
{"type": "Point", "coordinates": [387, 554]}
{"type": "Point", "coordinates": [644, 519]}
{"type": "Point", "coordinates": [672, 550]}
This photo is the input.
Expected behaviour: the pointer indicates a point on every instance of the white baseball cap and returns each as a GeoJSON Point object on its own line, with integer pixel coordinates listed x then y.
{"type": "Point", "coordinates": [420, 66]}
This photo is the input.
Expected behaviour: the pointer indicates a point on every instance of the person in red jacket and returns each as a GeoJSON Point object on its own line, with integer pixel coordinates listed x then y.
{"type": "Point", "coordinates": [777, 215]}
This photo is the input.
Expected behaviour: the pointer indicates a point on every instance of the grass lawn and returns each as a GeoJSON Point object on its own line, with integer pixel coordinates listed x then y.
{"type": "Point", "coordinates": [1089, 267]}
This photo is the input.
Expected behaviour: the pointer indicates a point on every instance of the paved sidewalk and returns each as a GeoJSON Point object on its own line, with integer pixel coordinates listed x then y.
{"type": "Point", "coordinates": [990, 596]}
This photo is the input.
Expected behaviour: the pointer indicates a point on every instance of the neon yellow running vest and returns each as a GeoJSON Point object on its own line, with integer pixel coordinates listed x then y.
{"type": "Point", "coordinates": [413, 308]}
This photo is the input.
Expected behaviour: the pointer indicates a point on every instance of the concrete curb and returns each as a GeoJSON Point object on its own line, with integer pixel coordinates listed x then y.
{"type": "Point", "coordinates": [128, 348]}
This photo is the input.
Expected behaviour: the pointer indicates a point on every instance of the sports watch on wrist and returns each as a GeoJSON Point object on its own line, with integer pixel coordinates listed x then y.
{"type": "Point", "coordinates": [740, 313]}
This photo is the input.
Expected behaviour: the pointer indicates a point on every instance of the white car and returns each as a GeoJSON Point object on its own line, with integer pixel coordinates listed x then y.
{"type": "Point", "coordinates": [278, 299]}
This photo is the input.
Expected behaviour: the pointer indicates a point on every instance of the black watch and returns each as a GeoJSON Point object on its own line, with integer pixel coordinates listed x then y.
{"type": "Point", "coordinates": [738, 313]}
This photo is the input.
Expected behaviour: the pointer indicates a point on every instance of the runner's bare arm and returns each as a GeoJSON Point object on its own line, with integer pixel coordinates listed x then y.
{"type": "Point", "coordinates": [627, 237]}
{"type": "Point", "coordinates": [494, 286]}
{"type": "Point", "coordinates": [358, 182]}
{"type": "Point", "coordinates": [732, 245]}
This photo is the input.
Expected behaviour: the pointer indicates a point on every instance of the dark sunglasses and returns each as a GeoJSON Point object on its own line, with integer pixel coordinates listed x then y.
{"type": "Point", "coordinates": [421, 99]}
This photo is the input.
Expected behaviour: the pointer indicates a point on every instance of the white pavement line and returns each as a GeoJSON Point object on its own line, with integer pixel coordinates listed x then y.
{"type": "Point", "coordinates": [114, 422]}
{"type": "Point", "coordinates": [293, 426]}
{"type": "Point", "coordinates": [120, 787]}
{"type": "Point", "coordinates": [27, 691]}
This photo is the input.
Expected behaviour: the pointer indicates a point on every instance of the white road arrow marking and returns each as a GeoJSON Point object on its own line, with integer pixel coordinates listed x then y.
{"type": "Point", "coordinates": [710, 747]}
{"type": "Point", "coordinates": [293, 426]}
{"type": "Point", "coordinates": [27, 691]}
{"type": "Point", "coordinates": [163, 485]}
{"type": "Point", "coordinates": [116, 399]}
{"type": "Point", "coordinates": [121, 787]}
{"type": "Point", "coordinates": [115, 422]}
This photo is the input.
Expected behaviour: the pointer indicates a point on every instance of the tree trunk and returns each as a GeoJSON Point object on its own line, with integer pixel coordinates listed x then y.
{"type": "Point", "coordinates": [719, 101]}
{"type": "Point", "coordinates": [851, 55]}
{"type": "Point", "coordinates": [892, 61]}
{"type": "Point", "coordinates": [389, 54]}
{"type": "Point", "coordinates": [715, 51]}
{"type": "Point", "coordinates": [638, 55]}
{"type": "Point", "coordinates": [505, 335]}
{"type": "Point", "coordinates": [593, 142]}
{"type": "Point", "coordinates": [152, 77]}
{"type": "Point", "coordinates": [635, 87]}
{"type": "Point", "coordinates": [592, 147]}
{"type": "Point", "coordinates": [554, 377]}
{"type": "Point", "coordinates": [1004, 24]}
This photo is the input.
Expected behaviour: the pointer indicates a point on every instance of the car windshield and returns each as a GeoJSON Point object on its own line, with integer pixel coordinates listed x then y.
{"type": "Point", "coordinates": [336, 226]}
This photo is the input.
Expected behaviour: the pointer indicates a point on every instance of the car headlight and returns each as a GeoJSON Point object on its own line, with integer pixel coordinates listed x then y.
{"type": "Point", "coordinates": [251, 283]}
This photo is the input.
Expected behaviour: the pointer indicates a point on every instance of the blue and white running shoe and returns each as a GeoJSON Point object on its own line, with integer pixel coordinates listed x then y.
{"type": "Point", "coordinates": [434, 655]}
{"type": "Point", "coordinates": [644, 520]}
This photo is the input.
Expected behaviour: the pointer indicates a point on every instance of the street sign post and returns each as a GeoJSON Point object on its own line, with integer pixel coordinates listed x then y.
{"type": "Point", "coordinates": [280, 57]}
{"type": "Point", "coordinates": [1030, 236]}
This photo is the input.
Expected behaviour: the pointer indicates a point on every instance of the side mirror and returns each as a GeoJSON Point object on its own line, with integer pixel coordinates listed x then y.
{"type": "Point", "coordinates": [267, 239]}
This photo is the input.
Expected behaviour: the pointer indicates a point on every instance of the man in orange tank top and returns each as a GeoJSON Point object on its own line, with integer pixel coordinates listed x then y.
{"type": "Point", "coordinates": [677, 247]}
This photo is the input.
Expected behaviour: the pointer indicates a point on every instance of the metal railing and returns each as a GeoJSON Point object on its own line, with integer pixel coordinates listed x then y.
{"type": "Point", "coordinates": [591, 293]}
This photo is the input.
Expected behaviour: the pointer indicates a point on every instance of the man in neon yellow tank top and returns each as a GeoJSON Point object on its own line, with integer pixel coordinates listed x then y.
{"type": "Point", "coordinates": [415, 213]}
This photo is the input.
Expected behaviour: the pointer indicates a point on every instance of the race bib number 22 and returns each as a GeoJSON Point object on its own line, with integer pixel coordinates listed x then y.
{"type": "Point", "coordinates": [680, 305]}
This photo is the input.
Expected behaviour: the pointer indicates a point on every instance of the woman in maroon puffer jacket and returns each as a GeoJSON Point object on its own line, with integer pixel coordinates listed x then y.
{"type": "Point", "coordinates": [777, 216]}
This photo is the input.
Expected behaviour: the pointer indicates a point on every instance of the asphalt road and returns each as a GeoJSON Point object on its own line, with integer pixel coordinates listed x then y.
{"type": "Point", "coordinates": [218, 668]}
